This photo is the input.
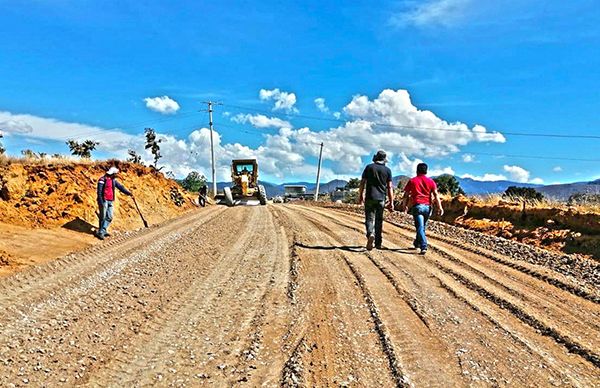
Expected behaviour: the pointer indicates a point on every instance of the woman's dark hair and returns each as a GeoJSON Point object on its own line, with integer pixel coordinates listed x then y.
{"type": "Point", "coordinates": [421, 168]}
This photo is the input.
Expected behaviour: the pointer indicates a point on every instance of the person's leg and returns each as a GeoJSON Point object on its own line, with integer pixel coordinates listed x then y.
{"type": "Point", "coordinates": [101, 215]}
{"type": "Point", "coordinates": [370, 222]}
{"type": "Point", "coordinates": [414, 212]}
{"type": "Point", "coordinates": [379, 224]}
{"type": "Point", "coordinates": [423, 215]}
{"type": "Point", "coordinates": [369, 217]}
{"type": "Point", "coordinates": [108, 216]}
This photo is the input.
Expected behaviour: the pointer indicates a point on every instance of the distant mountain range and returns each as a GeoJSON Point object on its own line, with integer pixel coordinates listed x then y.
{"type": "Point", "coordinates": [470, 186]}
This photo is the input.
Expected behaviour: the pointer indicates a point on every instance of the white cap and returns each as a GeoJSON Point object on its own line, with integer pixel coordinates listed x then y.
{"type": "Point", "coordinates": [112, 171]}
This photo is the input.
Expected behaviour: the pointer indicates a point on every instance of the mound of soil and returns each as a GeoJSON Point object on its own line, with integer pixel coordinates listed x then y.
{"type": "Point", "coordinates": [53, 195]}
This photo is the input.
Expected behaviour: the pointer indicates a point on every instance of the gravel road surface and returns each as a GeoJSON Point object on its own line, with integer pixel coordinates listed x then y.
{"type": "Point", "coordinates": [286, 295]}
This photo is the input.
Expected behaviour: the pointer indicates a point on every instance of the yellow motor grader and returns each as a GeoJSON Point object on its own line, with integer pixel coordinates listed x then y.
{"type": "Point", "coordinates": [244, 184]}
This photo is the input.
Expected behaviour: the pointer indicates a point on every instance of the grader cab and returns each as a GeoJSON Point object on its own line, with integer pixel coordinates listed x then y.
{"type": "Point", "coordinates": [244, 184]}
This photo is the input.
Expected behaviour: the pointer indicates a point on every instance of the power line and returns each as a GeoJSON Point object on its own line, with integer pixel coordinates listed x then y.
{"type": "Point", "coordinates": [529, 134]}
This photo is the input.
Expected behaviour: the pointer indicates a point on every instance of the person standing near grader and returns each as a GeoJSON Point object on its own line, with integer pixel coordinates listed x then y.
{"type": "Point", "coordinates": [107, 184]}
{"type": "Point", "coordinates": [376, 182]}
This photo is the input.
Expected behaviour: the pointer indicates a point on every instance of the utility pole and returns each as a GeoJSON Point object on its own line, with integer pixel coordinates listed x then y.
{"type": "Point", "coordinates": [212, 146]}
{"type": "Point", "coordinates": [319, 173]}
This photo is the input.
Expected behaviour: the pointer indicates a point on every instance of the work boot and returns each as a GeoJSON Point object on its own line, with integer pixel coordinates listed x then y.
{"type": "Point", "coordinates": [370, 241]}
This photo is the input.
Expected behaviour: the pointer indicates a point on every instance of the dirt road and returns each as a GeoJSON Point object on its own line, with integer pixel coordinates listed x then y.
{"type": "Point", "coordinates": [287, 295]}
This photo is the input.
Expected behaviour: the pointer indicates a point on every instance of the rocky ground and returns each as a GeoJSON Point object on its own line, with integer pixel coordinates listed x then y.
{"type": "Point", "coordinates": [287, 295]}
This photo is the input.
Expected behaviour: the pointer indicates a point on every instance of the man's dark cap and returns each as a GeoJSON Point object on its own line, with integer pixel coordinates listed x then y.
{"type": "Point", "coordinates": [380, 156]}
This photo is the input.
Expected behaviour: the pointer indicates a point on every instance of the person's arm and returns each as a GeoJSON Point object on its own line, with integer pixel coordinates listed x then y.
{"type": "Point", "coordinates": [122, 189]}
{"type": "Point", "coordinates": [405, 199]}
{"type": "Point", "coordinates": [100, 191]}
{"type": "Point", "coordinates": [390, 193]}
{"type": "Point", "coordinates": [438, 201]}
{"type": "Point", "coordinates": [361, 191]}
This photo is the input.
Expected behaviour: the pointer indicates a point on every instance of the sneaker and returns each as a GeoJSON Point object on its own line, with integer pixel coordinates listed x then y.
{"type": "Point", "coordinates": [380, 247]}
{"type": "Point", "coordinates": [100, 237]}
{"type": "Point", "coordinates": [423, 251]}
{"type": "Point", "coordinates": [106, 234]}
{"type": "Point", "coordinates": [370, 242]}
{"type": "Point", "coordinates": [415, 244]}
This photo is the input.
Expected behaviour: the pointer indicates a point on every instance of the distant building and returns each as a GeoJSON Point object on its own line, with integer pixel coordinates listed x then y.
{"type": "Point", "coordinates": [342, 194]}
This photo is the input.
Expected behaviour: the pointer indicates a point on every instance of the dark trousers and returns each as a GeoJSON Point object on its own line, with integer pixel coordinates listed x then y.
{"type": "Point", "coordinates": [374, 219]}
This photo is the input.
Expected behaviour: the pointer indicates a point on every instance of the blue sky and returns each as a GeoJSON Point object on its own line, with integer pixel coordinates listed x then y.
{"type": "Point", "coordinates": [83, 69]}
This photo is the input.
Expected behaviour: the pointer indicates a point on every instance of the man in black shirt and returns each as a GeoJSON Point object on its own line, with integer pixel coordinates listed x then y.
{"type": "Point", "coordinates": [376, 181]}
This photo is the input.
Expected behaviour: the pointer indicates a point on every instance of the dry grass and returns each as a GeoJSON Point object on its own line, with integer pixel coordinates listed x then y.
{"type": "Point", "coordinates": [6, 160]}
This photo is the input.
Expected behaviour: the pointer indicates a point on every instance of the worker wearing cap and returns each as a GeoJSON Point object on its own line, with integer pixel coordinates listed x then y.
{"type": "Point", "coordinates": [375, 184]}
{"type": "Point", "coordinates": [106, 197]}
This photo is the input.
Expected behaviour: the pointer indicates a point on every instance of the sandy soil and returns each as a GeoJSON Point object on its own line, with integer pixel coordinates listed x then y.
{"type": "Point", "coordinates": [287, 295]}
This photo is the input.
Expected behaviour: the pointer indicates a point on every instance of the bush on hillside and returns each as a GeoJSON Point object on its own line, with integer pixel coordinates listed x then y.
{"type": "Point", "coordinates": [83, 149]}
{"type": "Point", "coordinates": [353, 183]}
{"type": "Point", "coordinates": [584, 199]}
{"type": "Point", "coordinates": [152, 143]}
{"type": "Point", "coordinates": [193, 182]}
{"type": "Point", "coordinates": [523, 193]}
{"type": "Point", "coordinates": [448, 184]}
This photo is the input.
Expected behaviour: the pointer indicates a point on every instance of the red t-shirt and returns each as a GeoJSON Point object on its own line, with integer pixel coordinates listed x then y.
{"type": "Point", "coordinates": [420, 188]}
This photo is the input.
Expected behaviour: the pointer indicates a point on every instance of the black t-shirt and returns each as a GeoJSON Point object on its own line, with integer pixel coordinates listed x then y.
{"type": "Point", "coordinates": [377, 176]}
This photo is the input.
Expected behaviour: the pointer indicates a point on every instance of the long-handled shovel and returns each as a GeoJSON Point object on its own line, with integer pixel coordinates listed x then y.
{"type": "Point", "coordinates": [140, 213]}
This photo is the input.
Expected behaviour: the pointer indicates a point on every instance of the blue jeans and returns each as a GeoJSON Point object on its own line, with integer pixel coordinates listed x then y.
{"type": "Point", "coordinates": [421, 214]}
{"type": "Point", "coordinates": [106, 216]}
{"type": "Point", "coordinates": [374, 219]}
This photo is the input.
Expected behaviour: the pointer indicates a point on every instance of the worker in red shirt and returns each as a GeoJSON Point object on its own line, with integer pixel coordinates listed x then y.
{"type": "Point", "coordinates": [419, 194]}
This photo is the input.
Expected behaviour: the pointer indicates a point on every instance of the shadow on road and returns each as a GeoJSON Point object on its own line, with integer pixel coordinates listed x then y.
{"type": "Point", "coordinates": [353, 248]}
{"type": "Point", "coordinates": [81, 226]}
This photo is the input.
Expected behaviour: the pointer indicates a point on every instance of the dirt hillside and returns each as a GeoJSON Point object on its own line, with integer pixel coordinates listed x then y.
{"type": "Point", "coordinates": [49, 209]}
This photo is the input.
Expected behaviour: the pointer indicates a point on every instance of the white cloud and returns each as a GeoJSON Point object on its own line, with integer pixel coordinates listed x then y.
{"type": "Point", "coordinates": [433, 13]}
{"type": "Point", "coordinates": [485, 177]}
{"type": "Point", "coordinates": [557, 169]}
{"type": "Point", "coordinates": [337, 115]}
{"type": "Point", "coordinates": [519, 174]}
{"type": "Point", "coordinates": [516, 173]}
{"type": "Point", "coordinates": [283, 100]}
{"type": "Point", "coordinates": [320, 103]}
{"type": "Point", "coordinates": [261, 121]}
{"type": "Point", "coordinates": [10, 125]}
{"type": "Point", "coordinates": [390, 122]}
{"type": "Point", "coordinates": [436, 171]}
{"type": "Point", "coordinates": [468, 158]}
{"type": "Point", "coordinates": [111, 140]}
{"type": "Point", "coordinates": [164, 105]}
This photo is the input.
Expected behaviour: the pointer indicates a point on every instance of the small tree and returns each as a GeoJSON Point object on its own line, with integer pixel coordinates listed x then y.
{"type": "Point", "coordinates": [194, 181]}
{"type": "Point", "coordinates": [134, 157]}
{"type": "Point", "coordinates": [2, 149]}
{"type": "Point", "coordinates": [448, 184]}
{"type": "Point", "coordinates": [83, 149]}
{"type": "Point", "coordinates": [30, 154]}
{"type": "Point", "coordinates": [524, 193]}
{"type": "Point", "coordinates": [353, 183]}
{"type": "Point", "coordinates": [152, 143]}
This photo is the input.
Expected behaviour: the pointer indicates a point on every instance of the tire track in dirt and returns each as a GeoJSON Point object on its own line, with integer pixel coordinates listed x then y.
{"type": "Point", "coordinates": [584, 333]}
{"type": "Point", "coordinates": [537, 308]}
{"type": "Point", "coordinates": [419, 355]}
{"type": "Point", "coordinates": [336, 337]}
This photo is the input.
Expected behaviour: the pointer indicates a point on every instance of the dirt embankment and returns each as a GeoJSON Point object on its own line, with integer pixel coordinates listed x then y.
{"type": "Point", "coordinates": [568, 231]}
{"type": "Point", "coordinates": [47, 210]}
